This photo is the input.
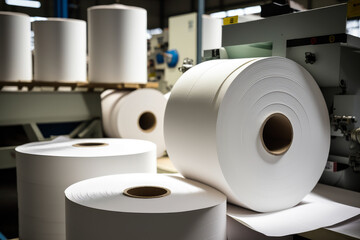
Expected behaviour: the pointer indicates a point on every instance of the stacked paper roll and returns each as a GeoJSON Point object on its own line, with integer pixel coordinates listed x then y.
{"type": "Point", "coordinates": [256, 129]}
{"type": "Point", "coordinates": [60, 50]}
{"type": "Point", "coordinates": [46, 169]}
{"type": "Point", "coordinates": [117, 44]}
{"type": "Point", "coordinates": [138, 114]}
{"type": "Point", "coordinates": [144, 206]}
{"type": "Point", "coordinates": [15, 52]}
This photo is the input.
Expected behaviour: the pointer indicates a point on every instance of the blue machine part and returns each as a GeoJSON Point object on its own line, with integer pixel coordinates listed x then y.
{"type": "Point", "coordinates": [172, 58]}
{"type": "Point", "coordinates": [2, 237]}
{"type": "Point", "coordinates": [159, 58]}
{"type": "Point", "coordinates": [61, 8]}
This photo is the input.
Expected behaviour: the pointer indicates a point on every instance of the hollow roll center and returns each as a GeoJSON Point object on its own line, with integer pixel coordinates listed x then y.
{"type": "Point", "coordinates": [90, 144]}
{"type": "Point", "coordinates": [147, 121]}
{"type": "Point", "coordinates": [146, 192]}
{"type": "Point", "coordinates": [276, 134]}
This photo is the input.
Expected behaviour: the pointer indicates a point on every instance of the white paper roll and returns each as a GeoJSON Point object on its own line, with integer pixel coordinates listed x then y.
{"type": "Point", "coordinates": [117, 44]}
{"type": "Point", "coordinates": [46, 169]}
{"type": "Point", "coordinates": [60, 50]}
{"type": "Point", "coordinates": [256, 129]}
{"type": "Point", "coordinates": [172, 208]}
{"type": "Point", "coordinates": [138, 114]}
{"type": "Point", "coordinates": [15, 52]}
{"type": "Point", "coordinates": [167, 95]}
{"type": "Point", "coordinates": [108, 100]}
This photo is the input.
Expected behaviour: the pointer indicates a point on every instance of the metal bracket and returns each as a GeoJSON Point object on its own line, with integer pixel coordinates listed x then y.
{"type": "Point", "coordinates": [187, 64]}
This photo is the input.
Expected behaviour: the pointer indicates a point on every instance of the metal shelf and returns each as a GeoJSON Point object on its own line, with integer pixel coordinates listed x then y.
{"type": "Point", "coordinates": [82, 85]}
{"type": "Point", "coordinates": [30, 108]}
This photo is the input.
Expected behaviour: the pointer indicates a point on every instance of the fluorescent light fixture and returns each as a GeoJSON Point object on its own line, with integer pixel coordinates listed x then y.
{"type": "Point", "coordinates": [33, 19]}
{"type": "Point", "coordinates": [218, 14]}
{"type": "Point", "coordinates": [353, 27]}
{"type": "Point", "coordinates": [24, 3]}
{"type": "Point", "coordinates": [252, 10]}
{"type": "Point", "coordinates": [148, 35]}
{"type": "Point", "coordinates": [154, 31]}
{"type": "Point", "coordinates": [236, 12]}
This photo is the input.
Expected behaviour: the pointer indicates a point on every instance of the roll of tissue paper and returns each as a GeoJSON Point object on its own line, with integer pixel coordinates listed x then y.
{"type": "Point", "coordinates": [256, 129]}
{"type": "Point", "coordinates": [117, 44]}
{"type": "Point", "coordinates": [138, 114]}
{"type": "Point", "coordinates": [144, 206]}
{"type": "Point", "coordinates": [60, 50]}
{"type": "Point", "coordinates": [46, 169]}
{"type": "Point", "coordinates": [15, 51]}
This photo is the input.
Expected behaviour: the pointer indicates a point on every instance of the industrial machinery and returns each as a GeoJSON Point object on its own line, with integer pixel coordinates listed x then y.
{"type": "Point", "coordinates": [183, 37]}
{"type": "Point", "coordinates": [158, 45]}
{"type": "Point", "coordinates": [317, 40]}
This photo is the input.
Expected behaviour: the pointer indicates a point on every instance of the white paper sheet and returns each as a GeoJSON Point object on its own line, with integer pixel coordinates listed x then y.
{"type": "Point", "coordinates": [237, 231]}
{"type": "Point", "coordinates": [349, 227]}
{"type": "Point", "coordinates": [317, 210]}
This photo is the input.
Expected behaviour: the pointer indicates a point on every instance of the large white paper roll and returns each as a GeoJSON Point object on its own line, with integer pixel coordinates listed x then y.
{"type": "Point", "coordinates": [144, 206]}
{"type": "Point", "coordinates": [15, 52]}
{"type": "Point", "coordinates": [256, 129]}
{"type": "Point", "coordinates": [60, 50]}
{"type": "Point", "coordinates": [117, 44]}
{"type": "Point", "coordinates": [46, 169]}
{"type": "Point", "coordinates": [138, 114]}
{"type": "Point", "coordinates": [167, 95]}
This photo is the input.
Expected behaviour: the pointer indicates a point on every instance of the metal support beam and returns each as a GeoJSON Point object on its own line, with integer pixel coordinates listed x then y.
{"type": "Point", "coordinates": [162, 13]}
{"type": "Point", "coordinates": [201, 9]}
{"type": "Point", "coordinates": [93, 130]}
{"type": "Point", "coordinates": [48, 107]}
{"type": "Point", "coordinates": [33, 132]}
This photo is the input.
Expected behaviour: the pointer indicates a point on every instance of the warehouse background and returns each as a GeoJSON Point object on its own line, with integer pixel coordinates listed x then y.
{"type": "Point", "coordinates": [158, 10]}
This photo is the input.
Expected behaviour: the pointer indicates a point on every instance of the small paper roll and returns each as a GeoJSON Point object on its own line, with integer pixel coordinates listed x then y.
{"type": "Point", "coordinates": [108, 100]}
{"type": "Point", "coordinates": [138, 114]}
{"type": "Point", "coordinates": [256, 129]}
{"type": "Point", "coordinates": [15, 51]}
{"type": "Point", "coordinates": [46, 169]}
{"type": "Point", "coordinates": [117, 44]}
{"type": "Point", "coordinates": [164, 207]}
{"type": "Point", "coordinates": [60, 50]}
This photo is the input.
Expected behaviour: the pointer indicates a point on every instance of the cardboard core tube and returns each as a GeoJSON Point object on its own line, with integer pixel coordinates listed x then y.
{"type": "Point", "coordinates": [90, 144]}
{"type": "Point", "coordinates": [147, 121]}
{"type": "Point", "coordinates": [146, 192]}
{"type": "Point", "coordinates": [276, 134]}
